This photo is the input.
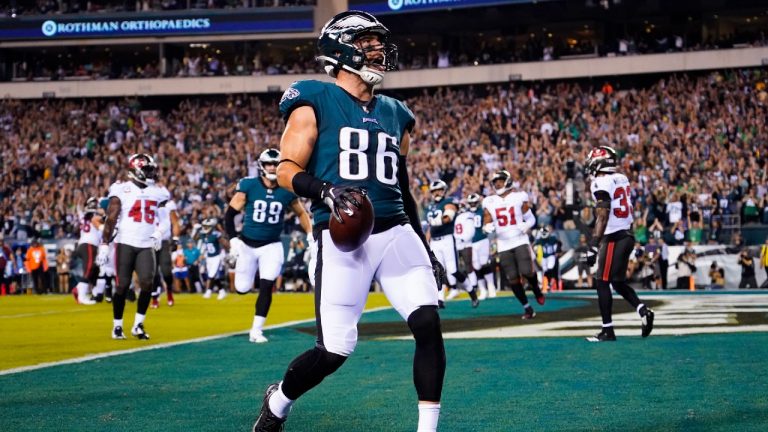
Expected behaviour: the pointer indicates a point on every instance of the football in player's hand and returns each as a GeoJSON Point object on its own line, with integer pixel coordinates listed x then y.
{"type": "Point", "coordinates": [355, 228]}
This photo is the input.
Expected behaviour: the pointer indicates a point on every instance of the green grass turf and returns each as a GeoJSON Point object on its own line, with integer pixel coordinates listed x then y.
{"type": "Point", "coordinates": [691, 383]}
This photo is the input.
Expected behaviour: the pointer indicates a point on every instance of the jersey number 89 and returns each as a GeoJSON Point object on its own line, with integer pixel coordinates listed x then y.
{"type": "Point", "coordinates": [261, 208]}
{"type": "Point", "coordinates": [353, 159]}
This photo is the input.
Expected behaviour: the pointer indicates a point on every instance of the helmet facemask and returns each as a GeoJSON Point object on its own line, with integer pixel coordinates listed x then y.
{"type": "Point", "coordinates": [473, 202]}
{"type": "Point", "coordinates": [142, 169]}
{"type": "Point", "coordinates": [501, 182]}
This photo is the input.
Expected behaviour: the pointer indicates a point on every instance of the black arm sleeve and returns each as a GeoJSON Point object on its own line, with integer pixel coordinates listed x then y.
{"type": "Point", "coordinates": [603, 199]}
{"type": "Point", "coordinates": [408, 201]}
{"type": "Point", "coordinates": [229, 222]}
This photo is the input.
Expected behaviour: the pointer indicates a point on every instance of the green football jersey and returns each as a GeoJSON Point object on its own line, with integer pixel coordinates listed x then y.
{"type": "Point", "coordinates": [549, 246]}
{"type": "Point", "coordinates": [264, 209]}
{"type": "Point", "coordinates": [356, 145]}
{"type": "Point", "coordinates": [479, 233]}
{"type": "Point", "coordinates": [436, 210]}
{"type": "Point", "coordinates": [211, 244]}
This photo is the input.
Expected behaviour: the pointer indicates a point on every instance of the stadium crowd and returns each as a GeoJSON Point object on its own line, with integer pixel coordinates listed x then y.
{"type": "Point", "coordinates": [201, 63]}
{"type": "Point", "coordinates": [694, 147]}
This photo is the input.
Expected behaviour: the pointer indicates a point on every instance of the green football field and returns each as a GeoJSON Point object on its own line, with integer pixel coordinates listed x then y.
{"type": "Point", "coordinates": [704, 369]}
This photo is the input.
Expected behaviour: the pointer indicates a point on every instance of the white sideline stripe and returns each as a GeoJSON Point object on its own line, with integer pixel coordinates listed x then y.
{"type": "Point", "coordinates": [711, 310]}
{"type": "Point", "coordinates": [26, 315]}
{"type": "Point", "coordinates": [158, 346]}
{"type": "Point", "coordinates": [518, 332]}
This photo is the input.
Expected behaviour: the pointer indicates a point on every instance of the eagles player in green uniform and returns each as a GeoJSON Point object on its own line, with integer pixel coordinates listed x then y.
{"type": "Point", "coordinates": [340, 137]}
{"type": "Point", "coordinates": [258, 246]}
{"type": "Point", "coordinates": [551, 249]}
{"type": "Point", "coordinates": [481, 250]}
{"type": "Point", "coordinates": [441, 217]}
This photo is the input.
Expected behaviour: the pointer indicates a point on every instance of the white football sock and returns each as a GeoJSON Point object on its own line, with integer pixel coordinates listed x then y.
{"type": "Point", "coordinates": [279, 404]}
{"type": "Point", "coordinates": [139, 319]}
{"type": "Point", "coordinates": [117, 323]}
{"type": "Point", "coordinates": [491, 286]}
{"type": "Point", "coordinates": [258, 323]}
{"type": "Point", "coordinates": [428, 416]}
{"type": "Point", "coordinates": [101, 285]}
{"type": "Point", "coordinates": [82, 290]}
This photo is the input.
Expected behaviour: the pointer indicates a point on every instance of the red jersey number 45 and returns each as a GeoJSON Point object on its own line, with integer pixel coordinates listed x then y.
{"type": "Point", "coordinates": [145, 212]}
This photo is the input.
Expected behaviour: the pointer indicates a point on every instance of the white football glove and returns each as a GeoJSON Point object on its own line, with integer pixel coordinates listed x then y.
{"type": "Point", "coordinates": [488, 228]}
{"type": "Point", "coordinates": [436, 221]}
{"type": "Point", "coordinates": [102, 256]}
{"type": "Point", "coordinates": [235, 246]}
{"type": "Point", "coordinates": [157, 240]}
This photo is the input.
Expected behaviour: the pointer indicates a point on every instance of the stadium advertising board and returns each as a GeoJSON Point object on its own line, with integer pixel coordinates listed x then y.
{"type": "Point", "coordinates": [298, 19]}
{"type": "Point", "coordinates": [400, 6]}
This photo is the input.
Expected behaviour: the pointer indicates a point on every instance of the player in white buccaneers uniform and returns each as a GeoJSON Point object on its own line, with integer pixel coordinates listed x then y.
{"type": "Point", "coordinates": [91, 223]}
{"type": "Point", "coordinates": [258, 245]}
{"type": "Point", "coordinates": [463, 232]}
{"type": "Point", "coordinates": [440, 214]}
{"type": "Point", "coordinates": [509, 215]}
{"type": "Point", "coordinates": [105, 282]}
{"type": "Point", "coordinates": [613, 210]}
{"type": "Point", "coordinates": [133, 207]}
{"type": "Point", "coordinates": [169, 225]}
{"type": "Point", "coordinates": [481, 250]}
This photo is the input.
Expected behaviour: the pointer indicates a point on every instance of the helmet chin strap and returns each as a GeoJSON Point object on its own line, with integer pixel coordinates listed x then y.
{"type": "Point", "coordinates": [368, 75]}
{"type": "Point", "coordinates": [270, 177]}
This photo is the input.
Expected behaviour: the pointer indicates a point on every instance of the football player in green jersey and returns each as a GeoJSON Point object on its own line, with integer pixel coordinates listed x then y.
{"type": "Point", "coordinates": [339, 138]}
{"type": "Point", "coordinates": [258, 245]}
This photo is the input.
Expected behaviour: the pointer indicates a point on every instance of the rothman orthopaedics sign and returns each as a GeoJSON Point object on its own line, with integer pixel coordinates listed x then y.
{"type": "Point", "coordinates": [144, 24]}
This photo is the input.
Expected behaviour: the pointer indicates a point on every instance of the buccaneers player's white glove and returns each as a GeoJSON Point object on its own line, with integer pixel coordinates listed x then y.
{"type": "Point", "coordinates": [235, 246]}
{"type": "Point", "coordinates": [157, 240]}
{"type": "Point", "coordinates": [488, 228]}
{"type": "Point", "coordinates": [102, 256]}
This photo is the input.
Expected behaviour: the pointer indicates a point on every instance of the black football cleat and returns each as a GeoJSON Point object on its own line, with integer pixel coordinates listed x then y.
{"type": "Point", "coordinates": [475, 303]}
{"type": "Point", "coordinates": [647, 320]}
{"type": "Point", "coordinates": [440, 304]}
{"type": "Point", "coordinates": [605, 335]}
{"type": "Point", "coordinates": [117, 333]}
{"type": "Point", "coordinates": [529, 313]}
{"type": "Point", "coordinates": [138, 331]}
{"type": "Point", "coordinates": [268, 422]}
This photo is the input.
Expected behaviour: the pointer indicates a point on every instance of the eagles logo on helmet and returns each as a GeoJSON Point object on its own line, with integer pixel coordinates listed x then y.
{"type": "Point", "coordinates": [269, 157]}
{"type": "Point", "coordinates": [499, 176]}
{"type": "Point", "coordinates": [142, 169]}
{"type": "Point", "coordinates": [473, 201]}
{"type": "Point", "coordinates": [601, 160]}
{"type": "Point", "coordinates": [338, 49]}
{"type": "Point", "coordinates": [437, 188]}
{"type": "Point", "coordinates": [208, 225]}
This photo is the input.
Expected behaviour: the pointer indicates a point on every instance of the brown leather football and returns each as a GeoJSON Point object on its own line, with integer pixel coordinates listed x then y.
{"type": "Point", "coordinates": [355, 228]}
